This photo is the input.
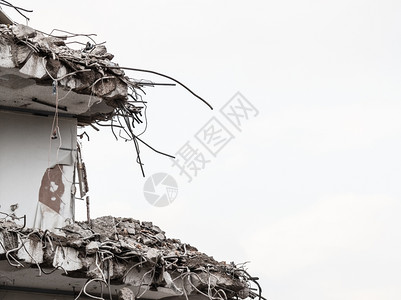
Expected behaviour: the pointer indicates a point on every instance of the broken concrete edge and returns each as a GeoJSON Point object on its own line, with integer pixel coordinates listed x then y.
{"type": "Point", "coordinates": [4, 19]}
{"type": "Point", "coordinates": [124, 251]}
{"type": "Point", "coordinates": [49, 61]}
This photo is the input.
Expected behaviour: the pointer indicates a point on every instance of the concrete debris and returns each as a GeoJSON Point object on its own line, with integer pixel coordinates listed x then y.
{"type": "Point", "coordinates": [92, 247]}
{"type": "Point", "coordinates": [124, 251]}
{"type": "Point", "coordinates": [125, 294]}
{"type": "Point", "coordinates": [66, 258]}
{"type": "Point", "coordinates": [22, 32]}
{"type": "Point", "coordinates": [47, 59]}
{"type": "Point", "coordinates": [32, 251]}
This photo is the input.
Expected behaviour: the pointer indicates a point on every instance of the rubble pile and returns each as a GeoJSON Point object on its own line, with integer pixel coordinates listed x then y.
{"type": "Point", "coordinates": [124, 251]}
{"type": "Point", "coordinates": [49, 61]}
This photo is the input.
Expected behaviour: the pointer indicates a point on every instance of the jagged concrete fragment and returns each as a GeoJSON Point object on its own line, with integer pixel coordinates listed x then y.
{"type": "Point", "coordinates": [152, 255]}
{"type": "Point", "coordinates": [9, 240]}
{"type": "Point", "coordinates": [126, 294]}
{"type": "Point", "coordinates": [105, 227]}
{"type": "Point", "coordinates": [67, 259]}
{"type": "Point", "coordinates": [34, 67]}
{"type": "Point", "coordinates": [31, 252]}
{"type": "Point", "coordinates": [22, 53]}
{"type": "Point", "coordinates": [21, 31]}
{"type": "Point", "coordinates": [6, 55]}
{"type": "Point", "coordinates": [92, 247]}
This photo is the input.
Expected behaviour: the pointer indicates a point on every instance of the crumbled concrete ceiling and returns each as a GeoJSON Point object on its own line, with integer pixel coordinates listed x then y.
{"type": "Point", "coordinates": [40, 72]}
{"type": "Point", "coordinates": [117, 252]}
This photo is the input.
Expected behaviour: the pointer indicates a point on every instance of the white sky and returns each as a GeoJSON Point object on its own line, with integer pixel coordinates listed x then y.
{"type": "Point", "coordinates": [309, 190]}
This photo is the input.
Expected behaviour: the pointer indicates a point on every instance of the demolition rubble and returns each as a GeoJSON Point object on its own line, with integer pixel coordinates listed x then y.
{"type": "Point", "coordinates": [123, 251]}
{"type": "Point", "coordinates": [91, 85]}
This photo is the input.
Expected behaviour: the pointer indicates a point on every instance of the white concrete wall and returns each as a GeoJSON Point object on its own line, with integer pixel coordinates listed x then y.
{"type": "Point", "coordinates": [26, 152]}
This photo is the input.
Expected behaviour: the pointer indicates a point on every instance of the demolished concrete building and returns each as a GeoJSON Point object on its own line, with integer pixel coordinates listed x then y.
{"type": "Point", "coordinates": [46, 90]}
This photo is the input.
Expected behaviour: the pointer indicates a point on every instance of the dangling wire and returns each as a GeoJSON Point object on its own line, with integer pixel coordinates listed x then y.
{"type": "Point", "coordinates": [166, 76]}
